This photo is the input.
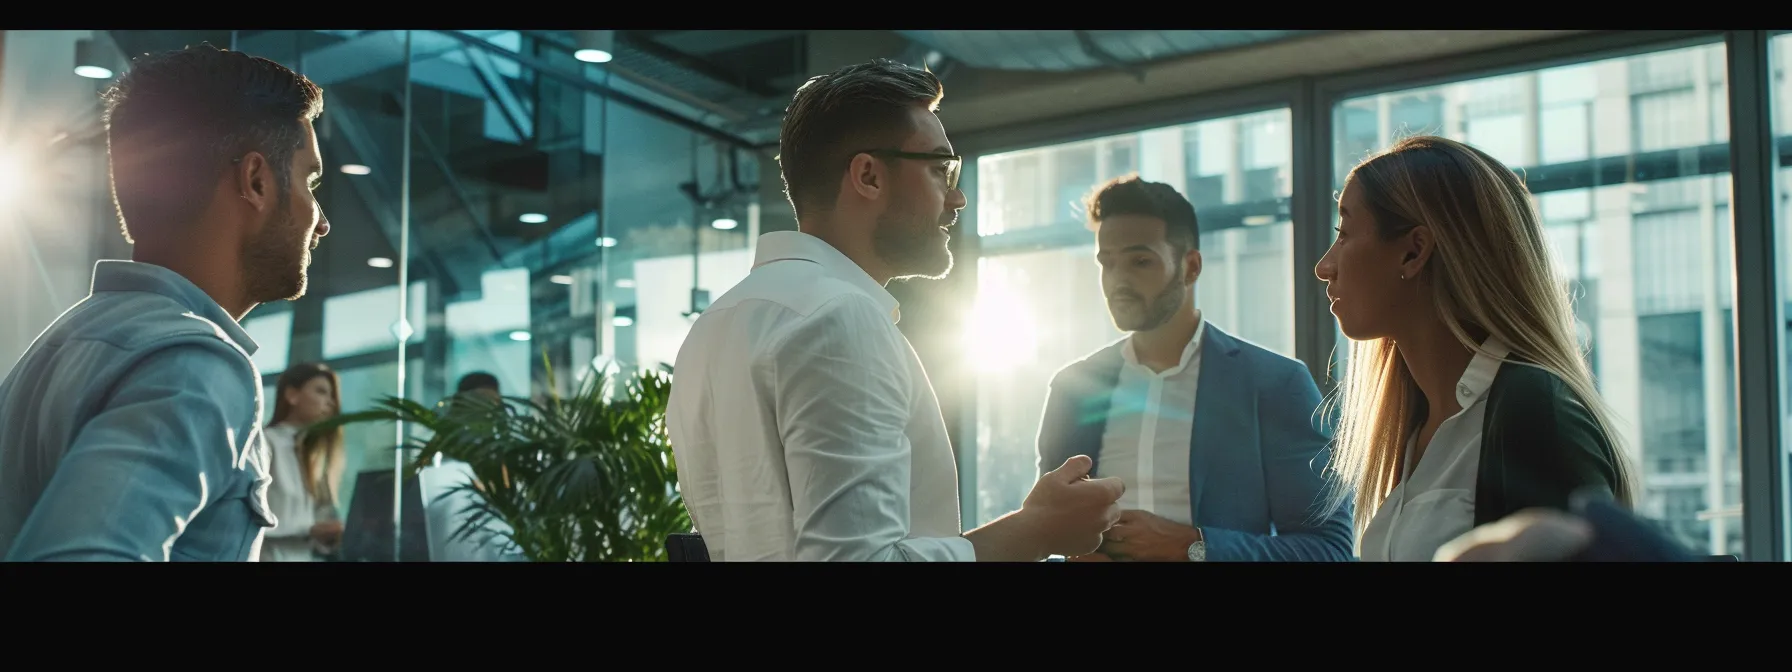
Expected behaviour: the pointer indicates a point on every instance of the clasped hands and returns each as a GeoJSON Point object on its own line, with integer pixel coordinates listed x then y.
{"type": "Point", "coordinates": [1080, 518]}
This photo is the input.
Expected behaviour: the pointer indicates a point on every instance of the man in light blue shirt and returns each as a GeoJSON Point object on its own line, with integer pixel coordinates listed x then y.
{"type": "Point", "coordinates": [131, 428]}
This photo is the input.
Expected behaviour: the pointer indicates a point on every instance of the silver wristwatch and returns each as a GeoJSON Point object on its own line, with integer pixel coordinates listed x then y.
{"type": "Point", "coordinates": [1197, 552]}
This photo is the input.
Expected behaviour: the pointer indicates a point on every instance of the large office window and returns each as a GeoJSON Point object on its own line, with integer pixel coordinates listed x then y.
{"type": "Point", "coordinates": [1628, 159]}
{"type": "Point", "coordinates": [1039, 304]}
{"type": "Point", "coordinates": [1780, 57]}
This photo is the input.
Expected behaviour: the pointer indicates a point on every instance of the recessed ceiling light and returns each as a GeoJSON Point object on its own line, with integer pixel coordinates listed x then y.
{"type": "Point", "coordinates": [355, 169]}
{"type": "Point", "coordinates": [519, 335]}
{"type": "Point", "coordinates": [724, 224]}
{"type": "Point", "coordinates": [93, 72]}
{"type": "Point", "coordinates": [625, 283]}
{"type": "Point", "coordinates": [606, 241]}
{"type": "Point", "coordinates": [561, 279]}
{"type": "Point", "coordinates": [622, 321]}
{"type": "Point", "coordinates": [379, 262]}
{"type": "Point", "coordinates": [592, 55]}
{"type": "Point", "coordinates": [532, 218]}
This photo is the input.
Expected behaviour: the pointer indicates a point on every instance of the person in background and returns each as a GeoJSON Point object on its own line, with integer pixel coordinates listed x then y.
{"type": "Point", "coordinates": [130, 430]}
{"type": "Point", "coordinates": [1216, 438]}
{"type": "Point", "coordinates": [307, 467]}
{"type": "Point", "coordinates": [1467, 397]}
{"type": "Point", "coordinates": [445, 506]}
{"type": "Point", "coordinates": [480, 383]}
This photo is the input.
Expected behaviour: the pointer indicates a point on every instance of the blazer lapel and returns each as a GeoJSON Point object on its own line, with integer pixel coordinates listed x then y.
{"type": "Point", "coordinates": [1221, 383]}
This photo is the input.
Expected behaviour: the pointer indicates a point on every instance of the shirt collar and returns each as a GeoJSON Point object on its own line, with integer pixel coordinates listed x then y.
{"type": "Point", "coordinates": [1481, 371]}
{"type": "Point", "coordinates": [131, 276]}
{"type": "Point", "coordinates": [1188, 351]}
{"type": "Point", "coordinates": [796, 245]}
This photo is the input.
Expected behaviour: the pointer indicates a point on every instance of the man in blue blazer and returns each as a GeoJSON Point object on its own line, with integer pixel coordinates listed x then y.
{"type": "Point", "coordinates": [1218, 440]}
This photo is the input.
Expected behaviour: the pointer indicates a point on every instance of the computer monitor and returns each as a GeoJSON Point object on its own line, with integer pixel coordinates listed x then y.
{"type": "Point", "coordinates": [367, 531]}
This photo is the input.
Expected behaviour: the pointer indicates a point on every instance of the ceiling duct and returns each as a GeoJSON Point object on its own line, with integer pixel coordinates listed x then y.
{"type": "Point", "coordinates": [1079, 50]}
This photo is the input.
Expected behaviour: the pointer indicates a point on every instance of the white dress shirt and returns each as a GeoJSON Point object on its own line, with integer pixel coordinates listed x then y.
{"type": "Point", "coordinates": [445, 510]}
{"type": "Point", "coordinates": [1151, 422]}
{"type": "Point", "coordinates": [290, 541]}
{"type": "Point", "coordinates": [802, 421]}
{"type": "Point", "coordinates": [1435, 501]}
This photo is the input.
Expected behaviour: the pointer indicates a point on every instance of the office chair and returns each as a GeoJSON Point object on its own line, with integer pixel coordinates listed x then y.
{"type": "Point", "coordinates": [686, 547]}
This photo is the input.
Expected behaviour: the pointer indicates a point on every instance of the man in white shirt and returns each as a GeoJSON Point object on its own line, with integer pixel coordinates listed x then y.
{"type": "Point", "coordinates": [1215, 437]}
{"type": "Point", "coordinates": [804, 426]}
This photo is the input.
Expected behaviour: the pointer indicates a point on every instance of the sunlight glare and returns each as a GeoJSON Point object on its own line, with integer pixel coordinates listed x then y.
{"type": "Point", "coordinates": [1000, 333]}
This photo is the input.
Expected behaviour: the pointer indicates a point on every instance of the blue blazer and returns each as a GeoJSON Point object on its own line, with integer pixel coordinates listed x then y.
{"type": "Point", "coordinates": [1257, 462]}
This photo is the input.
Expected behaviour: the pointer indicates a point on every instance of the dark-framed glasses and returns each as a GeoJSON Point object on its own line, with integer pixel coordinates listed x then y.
{"type": "Point", "coordinates": [953, 164]}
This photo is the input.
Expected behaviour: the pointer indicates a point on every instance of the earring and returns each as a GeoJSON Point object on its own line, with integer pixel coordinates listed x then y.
{"type": "Point", "coordinates": [1402, 276]}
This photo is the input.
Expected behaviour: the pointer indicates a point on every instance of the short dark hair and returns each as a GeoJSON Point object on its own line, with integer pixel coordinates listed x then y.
{"type": "Point", "coordinates": [1130, 195]}
{"type": "Point", "coordinates": [178, 119]}
{"type": "Point", "coordinates": [853, 109]}
{"type": "Point", "coordinates": [477, 380]}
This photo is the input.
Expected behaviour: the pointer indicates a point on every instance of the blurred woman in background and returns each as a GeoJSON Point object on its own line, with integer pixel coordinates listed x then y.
{"type": "Point", "coordinates": [307, 467]}
{"type": "Point", "coordinates": [1468, 398]}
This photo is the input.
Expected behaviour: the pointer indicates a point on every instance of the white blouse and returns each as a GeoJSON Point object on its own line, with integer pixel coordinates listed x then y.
{"type": "Point", "coordinates": [293, 510]}
{"type": "Point", "coordinates": [1435, 501]}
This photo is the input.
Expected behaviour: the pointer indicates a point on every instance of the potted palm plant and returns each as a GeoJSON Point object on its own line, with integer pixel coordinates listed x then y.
{"type": "Point", "coordinates": [587, 478]}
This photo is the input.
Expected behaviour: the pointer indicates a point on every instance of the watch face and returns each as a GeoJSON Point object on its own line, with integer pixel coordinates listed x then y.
{"type": "Point", "coordinates": [1197, 552]}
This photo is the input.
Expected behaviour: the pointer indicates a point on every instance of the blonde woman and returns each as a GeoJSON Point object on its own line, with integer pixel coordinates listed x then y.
{"type": "Point", "coordinates": [1467, 397]}
{"type": "Point", "coordinates": [307, 467]}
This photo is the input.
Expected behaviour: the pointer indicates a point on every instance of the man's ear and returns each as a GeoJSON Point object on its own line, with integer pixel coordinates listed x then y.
{"type": "Point", "coordinates": [255, 181]}
{"type": "Point", "coordinates": [867, 176]}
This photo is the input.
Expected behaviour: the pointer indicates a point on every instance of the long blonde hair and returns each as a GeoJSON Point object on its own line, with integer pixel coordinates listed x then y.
{"type": "Point", "coordinates": [1490, 269]}
{"type": "Point", "coordinates": [321, 454]}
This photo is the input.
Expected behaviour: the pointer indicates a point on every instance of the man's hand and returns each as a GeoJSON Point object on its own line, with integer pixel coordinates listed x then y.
{"type": "Point", "coordinates": [1531, 535]}
{"type": "Point", "coordinates": [1068, 511]}
{"type": "Point", "coordinates": [1147, 537]}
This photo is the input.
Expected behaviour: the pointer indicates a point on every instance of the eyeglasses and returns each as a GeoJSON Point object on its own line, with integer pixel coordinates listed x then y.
{"type": "Point", "coordinates": [953, 162]}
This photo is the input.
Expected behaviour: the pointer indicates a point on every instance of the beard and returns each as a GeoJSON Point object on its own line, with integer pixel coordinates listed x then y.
{"type": "Point", "coordinates": [1147, 315]}
{"type": "Point", "coordinates": [274, 261]}
{"type": "Point", "coordinates": [914, 245]}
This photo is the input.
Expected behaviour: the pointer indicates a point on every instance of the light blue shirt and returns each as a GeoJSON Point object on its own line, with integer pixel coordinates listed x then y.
{"type": "Point", "coordinates": [131, 429]}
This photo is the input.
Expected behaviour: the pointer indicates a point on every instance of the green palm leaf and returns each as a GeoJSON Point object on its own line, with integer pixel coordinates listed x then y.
{"type": "Point", "coordinates": [582, 478]}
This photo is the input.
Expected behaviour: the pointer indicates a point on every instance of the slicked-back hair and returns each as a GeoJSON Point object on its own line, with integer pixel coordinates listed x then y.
{"type": "Point", "coordinates": [834, 116]}
{"type": "Point", "coordinates": [177, 120]}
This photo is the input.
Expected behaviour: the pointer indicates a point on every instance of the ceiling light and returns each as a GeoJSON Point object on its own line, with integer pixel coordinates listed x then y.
{"type": "Point", "coordinates": [594, 46]}
{"type": "Point", "coordinates": [625, 283]}
{"type": "Point", "coordinates": [519, 335]}
{"type": "Point", "coordinates": [88, 61]}
{"type": "Point", "coordinates": [606, 241]}
{"type": "Point", "coordinates": [561, 279]}
{"type": "Point", "coordinates": [532, 218]}
{"type": "Point", "coordinates": [379, 262]}
{"type": "Point", "coordinates": [623, 321]}
{"type": "Point", "coordinates": [725, 224]}
{"type": "Point", "coordinates": [356, 169]}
